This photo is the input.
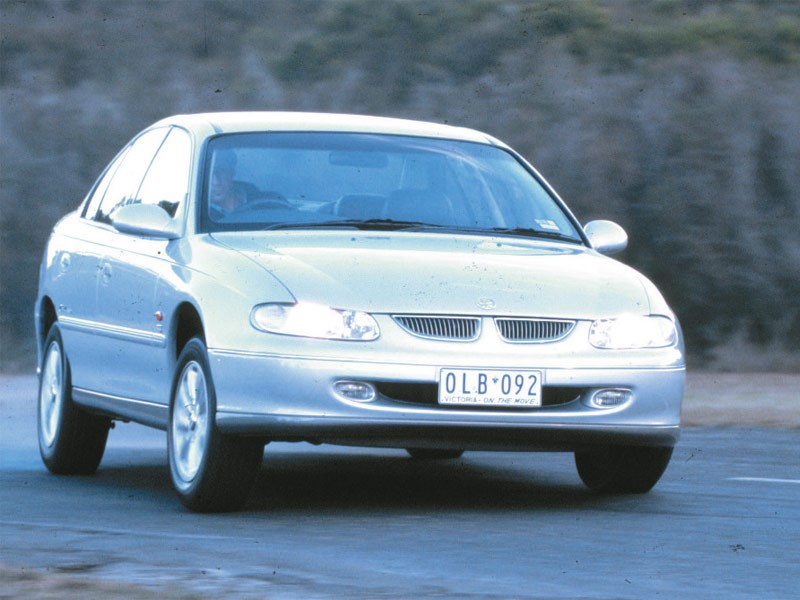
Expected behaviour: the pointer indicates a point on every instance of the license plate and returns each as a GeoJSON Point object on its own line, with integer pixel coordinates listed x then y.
{"type": "Point", "coordinates": [479, 387]}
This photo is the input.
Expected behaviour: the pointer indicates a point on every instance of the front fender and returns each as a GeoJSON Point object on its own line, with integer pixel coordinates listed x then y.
{"type": "Point", "coordinates": [223, 285]}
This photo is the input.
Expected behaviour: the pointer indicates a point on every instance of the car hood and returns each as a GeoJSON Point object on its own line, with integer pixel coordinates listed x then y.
{"type": "Point", "coordinates": [438, 274]}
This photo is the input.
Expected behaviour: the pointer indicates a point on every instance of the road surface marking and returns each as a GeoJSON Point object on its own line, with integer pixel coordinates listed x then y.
{"type": "Point", "coordinates": [764, 479]}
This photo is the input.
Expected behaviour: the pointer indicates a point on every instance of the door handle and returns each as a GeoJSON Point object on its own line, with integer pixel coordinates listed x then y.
{"type": "Point", "coordinates": [106, 272]}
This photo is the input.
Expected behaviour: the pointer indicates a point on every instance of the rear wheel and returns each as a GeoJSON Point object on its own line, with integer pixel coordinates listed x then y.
{"type": "Point", "coordinates": [434, 453]}
{"type": "Point", "coordinates": [211, 472]}
{"type": "Point", "coordinates": [71, 441]}
{"type": "Point", "coordinates": [622, 469]}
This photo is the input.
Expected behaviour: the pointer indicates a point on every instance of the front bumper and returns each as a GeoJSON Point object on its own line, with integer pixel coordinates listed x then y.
{"type": "Point", "coordinates": [292, 398]}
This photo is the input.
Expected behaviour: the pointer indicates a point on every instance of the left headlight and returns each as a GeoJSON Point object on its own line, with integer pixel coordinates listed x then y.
{"type": "Point", "coordinates": [306, 319]}
{"type": "Point", "coordinates": [631, 332]}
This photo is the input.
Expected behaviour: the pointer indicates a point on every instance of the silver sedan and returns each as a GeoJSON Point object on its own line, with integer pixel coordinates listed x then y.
{"type": "Point", "coordinates": [241, 278]}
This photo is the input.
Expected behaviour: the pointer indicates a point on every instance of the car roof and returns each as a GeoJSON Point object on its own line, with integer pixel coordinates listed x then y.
{"type": "Point", "coordinates": [205, 124]}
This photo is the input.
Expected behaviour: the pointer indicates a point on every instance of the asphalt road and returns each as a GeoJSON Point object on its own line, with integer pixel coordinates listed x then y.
{"type": "Point", "coordinates": [724, 522]}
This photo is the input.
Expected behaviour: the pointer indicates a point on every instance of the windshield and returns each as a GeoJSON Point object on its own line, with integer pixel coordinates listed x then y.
{"type": "Point", "coordinates": [261, 181]}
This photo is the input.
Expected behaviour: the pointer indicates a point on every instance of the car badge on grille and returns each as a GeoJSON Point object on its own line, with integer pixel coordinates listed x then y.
{"type": "Point", "coordinates": [486, 303]}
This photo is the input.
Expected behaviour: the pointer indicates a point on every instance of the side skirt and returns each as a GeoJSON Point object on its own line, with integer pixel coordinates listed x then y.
{"type": "Point", "coordinates": [139, 411]}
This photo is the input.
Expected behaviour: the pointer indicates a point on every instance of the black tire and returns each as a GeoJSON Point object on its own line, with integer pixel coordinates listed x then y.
{"type": "Point", "coordinates": [622, 469]}
{"type": "Point", "coordinates": [71, 440]}
{"type": "Point", "coordinates": [211, 472]}
{"type": "Point", "coordinates": [434, 453]}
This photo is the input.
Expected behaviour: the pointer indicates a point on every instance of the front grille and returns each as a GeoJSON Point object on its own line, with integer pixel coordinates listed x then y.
{"type": "Point", "coordinates": [428, 394]}
{"type": "Point", "coordinates": [533, 330]}
{"type": "Point", "coordinates": [440, 328]}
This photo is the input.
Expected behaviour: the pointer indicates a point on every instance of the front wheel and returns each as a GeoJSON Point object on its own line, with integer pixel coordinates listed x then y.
{"type": "Point", "coordinates": [71, 440]}
{"type": "Point", "coordinates": [622, 469]}
{"type": "Point", "coordinates": [211, 472]}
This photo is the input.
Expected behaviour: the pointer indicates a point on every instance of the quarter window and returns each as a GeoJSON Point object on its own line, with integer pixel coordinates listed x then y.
{"type": "Point", "coordinates": [100, 189]}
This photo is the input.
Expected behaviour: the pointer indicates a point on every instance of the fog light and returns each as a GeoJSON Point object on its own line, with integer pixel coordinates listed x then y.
{"type": "Point", "coordinates": [610, 398]}
{"type": "Point", "coordinates": [355, 390]}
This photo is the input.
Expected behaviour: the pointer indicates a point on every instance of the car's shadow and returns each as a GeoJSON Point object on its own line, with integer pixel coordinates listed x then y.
{"type": "Point", "coordinates": [358, 482]}
{"type": "Point", "coordinates": [342, 481]}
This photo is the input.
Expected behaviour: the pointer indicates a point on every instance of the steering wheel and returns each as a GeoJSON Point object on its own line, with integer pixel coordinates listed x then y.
{"type": "Point", "coordinates": [277, 201]}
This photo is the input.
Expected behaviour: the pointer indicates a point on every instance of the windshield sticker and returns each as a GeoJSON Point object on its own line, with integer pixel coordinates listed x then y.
{"type": "Point", "coordinates": [548, 224]}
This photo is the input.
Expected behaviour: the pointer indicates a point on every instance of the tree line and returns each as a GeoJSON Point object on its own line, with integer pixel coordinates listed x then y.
{"type": "Point", "coordinates": [677, 118]}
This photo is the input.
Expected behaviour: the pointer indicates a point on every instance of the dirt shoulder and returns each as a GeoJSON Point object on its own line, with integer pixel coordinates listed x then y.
{"type": "Point", "coordinates": [742, 399]}
{"type": "Point", "coordinates": [19, 582]}
{"type": "Point", "coordinates": [710, 400]}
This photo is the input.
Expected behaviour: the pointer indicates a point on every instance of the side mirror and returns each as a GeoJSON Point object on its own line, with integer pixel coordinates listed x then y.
{"type": "Point", "coordinates": [606, 236]}
{"type": "Point", "coordinates": [147, 220]}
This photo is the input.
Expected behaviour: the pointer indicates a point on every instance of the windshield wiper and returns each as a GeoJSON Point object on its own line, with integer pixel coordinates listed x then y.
{"type": "Point", "coordinates": [536, 233]}
{"type": "Point", "coordinates": [392, 225]}
{"type": "Point", "coordinates": [368, 224]}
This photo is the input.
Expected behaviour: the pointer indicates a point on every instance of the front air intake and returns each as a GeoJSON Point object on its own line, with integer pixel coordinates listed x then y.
{"type": "Point", "coordinates": [458, 329]}
{"type": "Point", "coordinates": [533, 330]}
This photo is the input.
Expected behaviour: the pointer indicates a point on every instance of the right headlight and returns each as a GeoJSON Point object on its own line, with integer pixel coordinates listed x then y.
{"type": "Point", "coordinates": [306, 319]}
{"type": "Point", "coordinates": [633, 331]}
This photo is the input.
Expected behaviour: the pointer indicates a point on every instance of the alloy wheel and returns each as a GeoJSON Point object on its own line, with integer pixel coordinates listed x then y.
{"type": "Point", "coordinates": [190, 421]}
